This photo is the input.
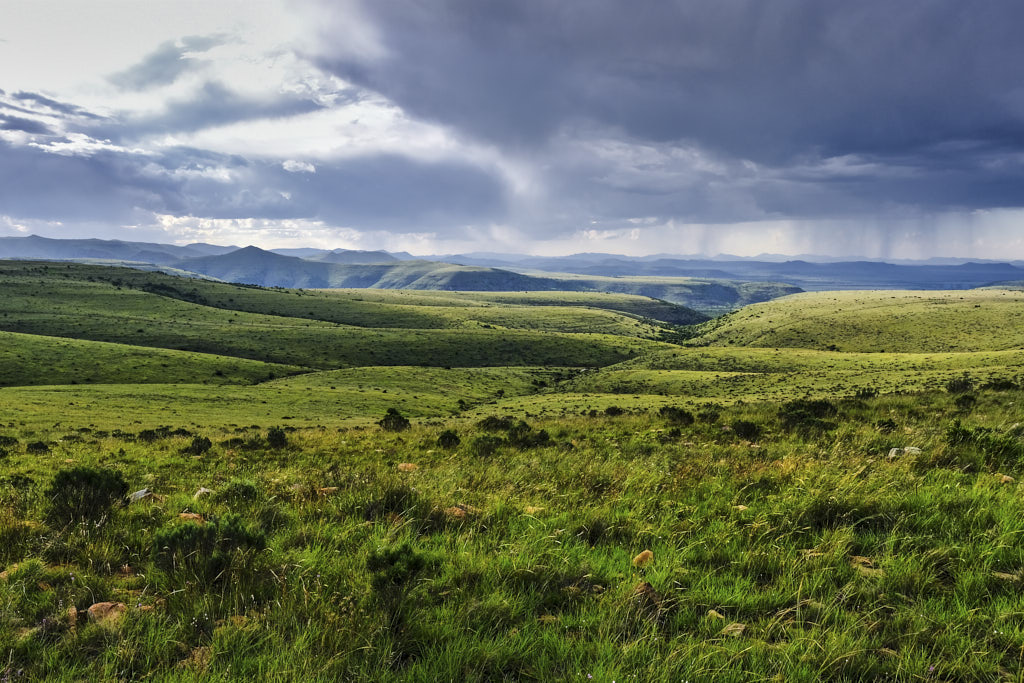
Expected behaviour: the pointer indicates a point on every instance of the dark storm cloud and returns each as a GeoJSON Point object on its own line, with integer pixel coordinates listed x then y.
{"type": "Point", "coordinates": [782, 84]}
{"type": "Point", "coordinates": [8, 122]}
{"type": "Point", "coordinates": [759, 80]}
{"type": "Point", "coordinates": [165, 64]}
{"type": "Point", "coordinates": [213, 104]}
{"type": "Point", "coordinates": [47, 104]}
{"type": "Point", "coordinates": [107, 186]}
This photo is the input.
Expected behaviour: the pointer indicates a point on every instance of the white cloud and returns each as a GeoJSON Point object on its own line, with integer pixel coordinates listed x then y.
{"type": "Point", "coordinates": [293, 166]}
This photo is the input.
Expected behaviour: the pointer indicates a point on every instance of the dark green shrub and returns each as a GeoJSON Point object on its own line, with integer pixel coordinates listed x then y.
{"type": "Point", "coordinates": [960, 385]}
{"type": "Point", "coordinates": [709, 416]}
{"type": "Point", "coordinates": [84, 493]}
{"type": "Point", "coordinates": [746, 430]}
{"type": "Point", "coordinates": [448, 439]}
{"type": "Point", "coordinates": [394, 421]}
{"type": "Point", "coordinates": [1000, 384]}
{"type": "Point", "coordinates": [393, 569]}
{"type": "Point", "coordinates": [523, 436]}
{"type": "Point", "coordinates": [394, 500]}
{"type": "Point", "coordinates": [676, 415]}
{"type": "Point", "coordinates": [965, 402]}
{"type": "Point", "coordinates": [492, 423]}
{"type": "Point", "coordinates": [484, 445]}
{"type": "Point", "coordinates": [807, 416]}
{"type": "Point", "coordinates": [199, 445]}
{"type": "Point", "coordinates": [38, 447]}
{"type": "Point", "coordinates": [886, 426]}
{"type": "Point", "coordinates": [205, 550]}
{"type": "Point", "coordinates": [8, 442]}
{"type": "Point", "coordinates": [239, 491]}
{"type": "Point", "coordinates": [866, 392]}
{"type": "Point", "coordinates": [613, 411]}
{"type": "Point", "coordinates": [276, 438]}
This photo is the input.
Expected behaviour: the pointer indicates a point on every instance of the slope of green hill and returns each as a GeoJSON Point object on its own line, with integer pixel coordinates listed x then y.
{"type": "Point", "coordinates": [877, 321]}
{"type": "Point", "coordinates": [27, 359]}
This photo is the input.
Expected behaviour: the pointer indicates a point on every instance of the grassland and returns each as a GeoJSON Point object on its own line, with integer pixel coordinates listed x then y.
{"type": "Point", "coordinates": [884, 321]}
{"type": "Point", "coordinates": [811, 514]}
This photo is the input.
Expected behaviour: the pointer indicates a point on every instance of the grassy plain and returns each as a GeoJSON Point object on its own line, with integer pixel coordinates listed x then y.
{"type": "Point", "coordinates": [810, 514]}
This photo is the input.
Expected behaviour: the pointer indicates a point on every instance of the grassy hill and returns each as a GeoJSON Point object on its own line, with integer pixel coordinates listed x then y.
{"type": "Point", "coordinates": [889, 321]}
{"type": "Point", "coordinates": [424, 485]}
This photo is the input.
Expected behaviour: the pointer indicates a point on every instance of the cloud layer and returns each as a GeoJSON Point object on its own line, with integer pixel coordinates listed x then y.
{"type": "Point", "coordinates": [870, 128]}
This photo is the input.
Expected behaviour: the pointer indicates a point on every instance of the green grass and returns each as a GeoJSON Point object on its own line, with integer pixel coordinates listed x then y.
{"type": "Point", "coordinates": [813, 515]}
{"type": "Point", "coordinates": [32, 359]}
{"type": "Point", "coordinates": [839, 562]}
{"type": "Point", "coordinates": [884, 321]}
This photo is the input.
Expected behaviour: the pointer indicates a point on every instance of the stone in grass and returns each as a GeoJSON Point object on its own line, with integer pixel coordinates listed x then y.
{"type": "Point", "coordinates": [461, 511]}
{"type": "Point", "coordinates": [203, 491]}
{"type": "Point", "coordinates": [647, 600]}
{"type": "Point", "coordinates": [327, 490]}
{"type": "Point", "coordinates": [192, 517]}
{"type": "Point", "coordinates": [865, 566]}
{"type": "Point", "coordinates": [106, 613]}
{"type": "Point", "coordinates": [144, 494]}
{"type": "Point", "coordinates": [643, 559]}
{"type": "Point", "coordinates": [407, 467]}
{"type": "Point", "coordinates": [1005, 478]}
{"type": "Point", "coordinates": [734, 629]}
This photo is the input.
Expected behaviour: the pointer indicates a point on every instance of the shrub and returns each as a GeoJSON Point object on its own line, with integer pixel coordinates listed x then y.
{"type": "Point", "coordinates": [199, 445]}
{"type": "Point", "coordinates": [613, 411]}
{"type": "Point", "coordinates": [38, 447]}
{"type": "Point", "coordinates": [84, 493]}
{"type": "Point", "coordinates": [448, 439]}
{"type": "Point", "coordinates": [493, 423]}
{"type": "Point", "coordinates": [676, 415]}
{"type": "Point", "coordinates": [394, 421]}
{"type": "Point", "coordinates": [239, 490]}
{"type": "Point", "coordinates": [8, 442]}
{"type": "Point", "coordinates": [960, 385]}
{"type": "Point", "coordinates": [276, 438]}
{"type": "Point", "coordinates": [709, 416]}
{"type": "Point", "coordinates": [806, 416]}
{"type": "Point", "coordinates": [484, 445]}
{"type": "Point", "coordinates": [205, 549]}
{"type": "Point", "coordinates": [746, 430]}
{"type": "Point", "coordinates": [886, 426]}
{"type": "Point", "coordinates": [965, 402]}
{"type": "Point", "coordinates": [392, 569]}
{"type": "Point", "coordinates": [523, 436]}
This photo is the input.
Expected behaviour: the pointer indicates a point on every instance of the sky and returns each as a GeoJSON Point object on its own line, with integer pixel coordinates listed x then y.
{"type": "Point", "coordinates": [872, 128]}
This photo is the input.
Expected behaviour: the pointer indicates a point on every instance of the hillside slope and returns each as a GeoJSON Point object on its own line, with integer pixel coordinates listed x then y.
{"type": "Point", "coordinates": [877, 321]}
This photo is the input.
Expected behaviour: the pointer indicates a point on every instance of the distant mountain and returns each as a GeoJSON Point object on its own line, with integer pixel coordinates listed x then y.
{"type": "Point", "coordinates": [354, 256]}
{"type": "Point", "coordinates": [804, 274]}
{"type": "Point", "coordinates": [35, 247]}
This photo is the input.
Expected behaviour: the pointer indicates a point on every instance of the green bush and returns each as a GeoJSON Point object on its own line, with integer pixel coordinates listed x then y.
{"type": "Point", "coordinates": [199, 445]}
{"type": "Point", "coordinates": [84, 493]}
{"type": "Point", "coordinates": [392, 569]}
{"type": "Point", "coordinates": [676, 415]}
{"type": "Point", "coordinates": [523, 436]}
{"type": "Point", "coordinates": [448, 439]}
{"type": "Point", "coordinates": [493, 423]}
{"type": "Point", "coordinates": [394, 421]}
{"type": "Point", "coordinates": [205, 550]}
{"type": "Point", "coordinates": [960, 385]}
{"type": "Point", "coordinates": [484, 445]}
{"type": "Point", "coordinates": [746, 430]}
{"type": "Point", "coordinates": [807, 416]}
{"type": "Point", "coordinates": [276, 438]}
